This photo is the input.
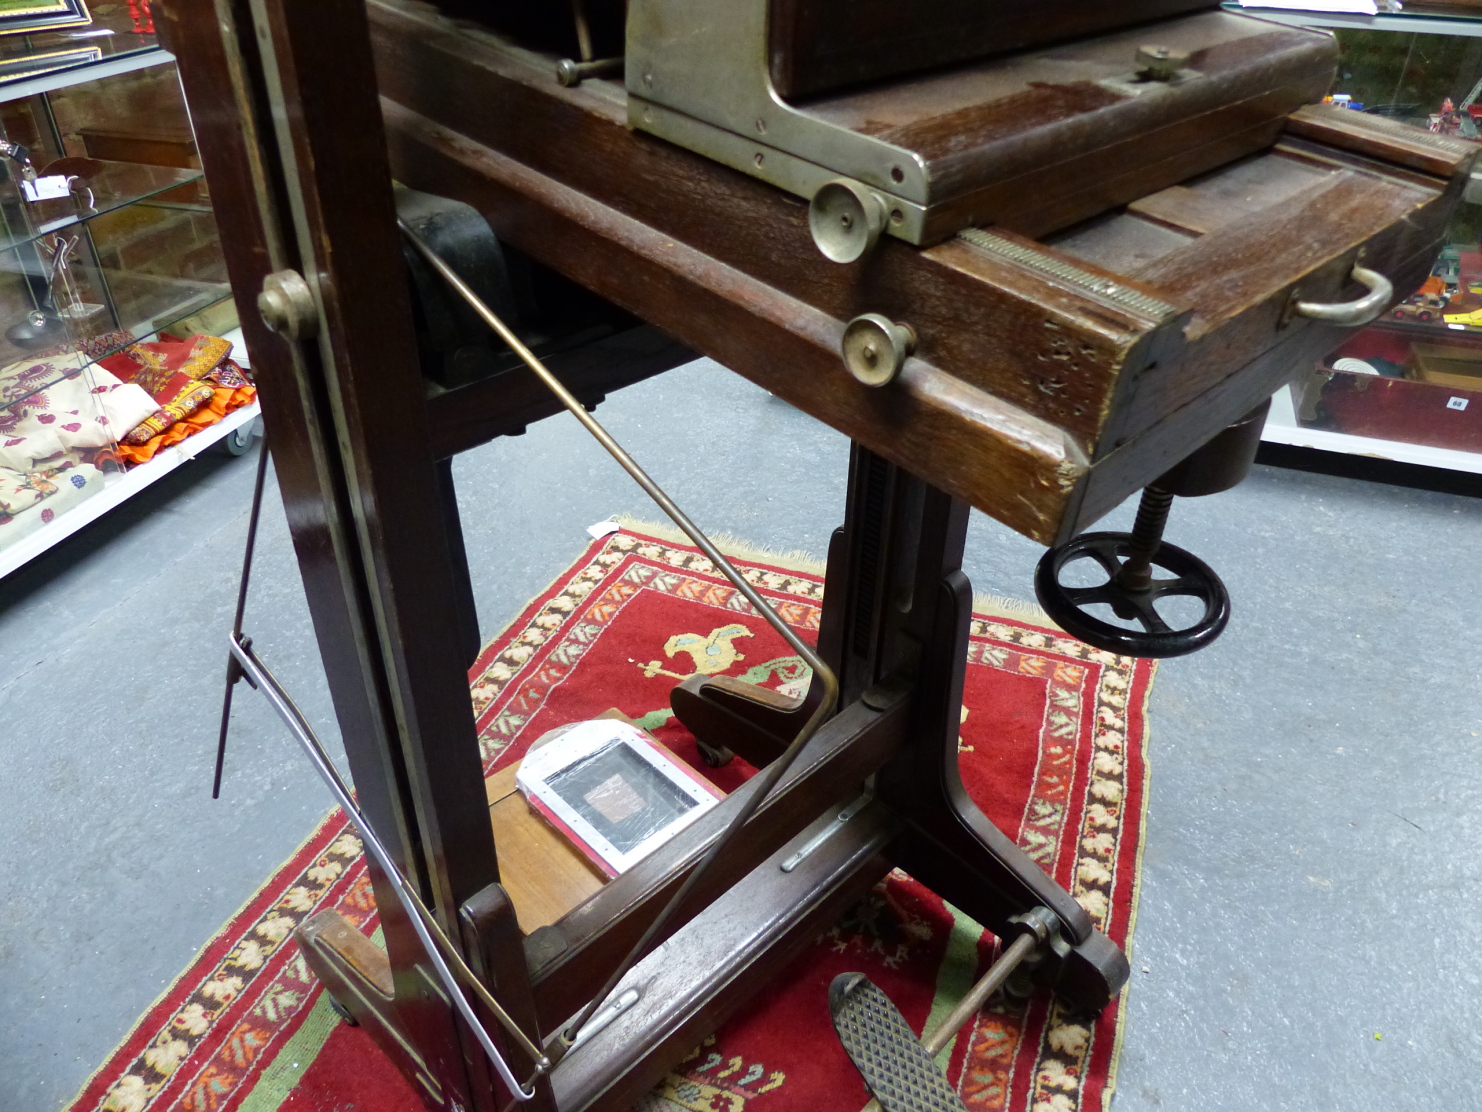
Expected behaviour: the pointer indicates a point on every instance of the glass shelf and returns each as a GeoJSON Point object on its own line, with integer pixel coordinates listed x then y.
{"type": "Point", "coordinates": [143, 256]}
{"type": "Point", "coordinates": [1409, 386]}
{"type": "Point", "coordinates": [115, 186]}
{"type": "Point", "coordinates": [148, 302]}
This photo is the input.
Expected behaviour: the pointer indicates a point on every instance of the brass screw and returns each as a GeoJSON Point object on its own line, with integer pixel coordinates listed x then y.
{"type": "Point", "coordinates": [1160, 63]}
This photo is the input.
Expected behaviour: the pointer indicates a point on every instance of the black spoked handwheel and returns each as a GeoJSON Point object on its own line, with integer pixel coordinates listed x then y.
{"type": "Point", "coordinates": [1133, 601]}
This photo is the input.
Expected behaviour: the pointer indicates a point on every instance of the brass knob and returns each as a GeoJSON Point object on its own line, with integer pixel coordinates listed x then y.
{"type": "Point", "coordinates": [846, 219]}
{"type": "Point", "coordinates": [875, 348]}
{"type": "Point", "coordinates": [287, 305]}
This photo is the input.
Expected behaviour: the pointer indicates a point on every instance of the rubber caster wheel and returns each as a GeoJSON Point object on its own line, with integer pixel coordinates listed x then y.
{"type": "Point", "coordinates": [343, 1012]}
{"type": "Point", "coordinates": [714, 756]}
{"type": "Point", "coordinates": [239, 440]}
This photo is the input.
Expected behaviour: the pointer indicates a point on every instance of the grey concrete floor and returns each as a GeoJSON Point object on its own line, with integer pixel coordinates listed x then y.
{"type": "Point", "coordinates": [1310, 909]}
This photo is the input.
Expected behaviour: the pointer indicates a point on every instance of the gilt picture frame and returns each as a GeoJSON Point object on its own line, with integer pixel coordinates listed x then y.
{"type": "Point", "coordinates": [32, 16]}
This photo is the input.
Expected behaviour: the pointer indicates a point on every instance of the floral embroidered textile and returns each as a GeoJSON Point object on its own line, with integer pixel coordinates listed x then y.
{"type": "Point", "coordinates": [52, 411]}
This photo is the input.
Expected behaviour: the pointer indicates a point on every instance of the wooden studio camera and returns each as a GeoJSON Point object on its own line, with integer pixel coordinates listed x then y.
{"type": "Point", "coordinates": [1030, 257]}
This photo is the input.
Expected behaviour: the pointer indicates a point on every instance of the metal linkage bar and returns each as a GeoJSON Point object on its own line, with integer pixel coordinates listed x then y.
{"type": "Point", "coordinates": [821, 671]}
{"type": "Point", "coordinates": [233, 669]}
{"type": "Point", "coordinates": [440, 951]}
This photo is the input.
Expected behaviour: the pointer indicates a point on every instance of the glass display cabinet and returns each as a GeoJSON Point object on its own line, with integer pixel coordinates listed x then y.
{"type": "Point", "coordinates": [47, 36]}
{"type": "Point", "coordinates": [1407, 388]}
{"type": "Point", "coordinates": [110, 265]}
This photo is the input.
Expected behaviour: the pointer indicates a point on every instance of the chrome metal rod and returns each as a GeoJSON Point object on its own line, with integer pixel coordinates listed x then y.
{"type": "Point", "coordinates": [583, 29]}
{"type": "Point", "coordinates": [429, 932]}
{"type": "Point", "coordinates": [987, 985]}
{"type": "Point", "coordinates": [822, 673]}
{"type": "Point", "coordinates": [968, 1006]}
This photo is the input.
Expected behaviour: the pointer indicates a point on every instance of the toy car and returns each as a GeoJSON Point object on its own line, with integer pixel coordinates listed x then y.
{"type": "Point", "coordinates": [1420, 306]}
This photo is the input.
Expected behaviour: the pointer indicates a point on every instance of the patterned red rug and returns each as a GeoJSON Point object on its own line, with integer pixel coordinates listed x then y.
{"type": "Point", "coordinates": [1052, 748]}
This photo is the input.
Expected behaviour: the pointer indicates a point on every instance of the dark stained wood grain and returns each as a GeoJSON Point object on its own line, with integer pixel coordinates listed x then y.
{"type": "Point", "coordinates": [502, 99]}
{"type": "Point", "coordinates": [1347, 130]}
{"type": "Point", "coordinates": [969, 440]}
{"type": "Point", "coordinates": [816, 45]}
{"type": "Point", "coordinates": [1041, 139]}
{"type": "Point", "coordinates": [686, 244]}
{"type": "Point", "coordinates": [703, 975]}
{"type": "Point", "coordinates": [570, 960]}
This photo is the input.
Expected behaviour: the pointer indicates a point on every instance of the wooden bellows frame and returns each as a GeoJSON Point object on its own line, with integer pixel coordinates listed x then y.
{"type": "Point", "coordinates": [1051, 378]}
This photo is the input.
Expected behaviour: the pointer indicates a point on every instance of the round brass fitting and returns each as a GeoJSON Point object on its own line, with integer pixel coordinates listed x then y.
{"type": "Point", "coordinates": [846, 219]}
{"type": "Point", "coordinates": [875, 348]}
{"type": "Point", "coordinates": [287, 305]}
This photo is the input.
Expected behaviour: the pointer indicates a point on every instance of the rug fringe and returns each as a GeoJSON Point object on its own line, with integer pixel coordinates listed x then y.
{"type": "Point", "coordinates": [737, 548]}
{"type": "Point", "coordinates": [1001, 606]}
{"type": "Point", "coordinates": [984, 604]}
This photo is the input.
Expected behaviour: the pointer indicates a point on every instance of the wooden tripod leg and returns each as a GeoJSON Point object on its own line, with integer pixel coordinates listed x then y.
{"type": "Point", "coordinates": [951, 846]}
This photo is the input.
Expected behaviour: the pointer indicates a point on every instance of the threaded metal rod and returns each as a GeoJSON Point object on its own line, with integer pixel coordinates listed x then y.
{"type": "Point", "coordinates": [1147, 538]}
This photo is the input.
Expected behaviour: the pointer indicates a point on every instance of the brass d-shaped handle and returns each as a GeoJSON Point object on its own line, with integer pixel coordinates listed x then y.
{"type": "Point", "coordinates": [1351, 314]}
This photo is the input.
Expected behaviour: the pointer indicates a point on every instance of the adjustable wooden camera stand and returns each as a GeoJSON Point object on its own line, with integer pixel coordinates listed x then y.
{"type": "Point", "coordinates": [1042, 380]}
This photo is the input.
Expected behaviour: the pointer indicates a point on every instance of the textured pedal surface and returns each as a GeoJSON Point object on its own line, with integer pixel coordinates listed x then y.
{"type": "Point", "coordinates": [885, 1050]}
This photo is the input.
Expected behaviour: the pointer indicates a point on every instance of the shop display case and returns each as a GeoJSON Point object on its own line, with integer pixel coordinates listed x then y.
{"type": "Point", "coordinates": [1407, 388]}
{"type": "Point", "coordinates": [56, 35]}
{"type": "Point", "coordinates": [110, 267]}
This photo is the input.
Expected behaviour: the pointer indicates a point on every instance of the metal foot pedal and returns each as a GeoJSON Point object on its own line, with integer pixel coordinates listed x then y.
{"type": "Point", "coordinates": [883, 1047]}
{"type": "Point", "coordinates": [901, 1072]}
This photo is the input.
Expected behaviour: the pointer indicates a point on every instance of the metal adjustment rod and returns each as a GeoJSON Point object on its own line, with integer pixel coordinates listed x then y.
{"type": "Point", "coordinates": [295, 314]}
{"type": "Point", "coordinates": [899, 1070]}
{"type": "Point", "coordinates": [571, 73]}
{"type": "Point", "coordinates": [446, 960]}
{"type": "Point", "coordinates": [233, 666]}
{"type": "Point", "coordinates": [774, 772]}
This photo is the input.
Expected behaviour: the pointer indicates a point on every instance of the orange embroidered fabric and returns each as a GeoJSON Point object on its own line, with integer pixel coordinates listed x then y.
{"type": "Point", "coordinates": [181, 375]}
{"type": "Point", "coordinates": [225, 400]}
{"type": "Point", "coordinates": [179, 396]}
